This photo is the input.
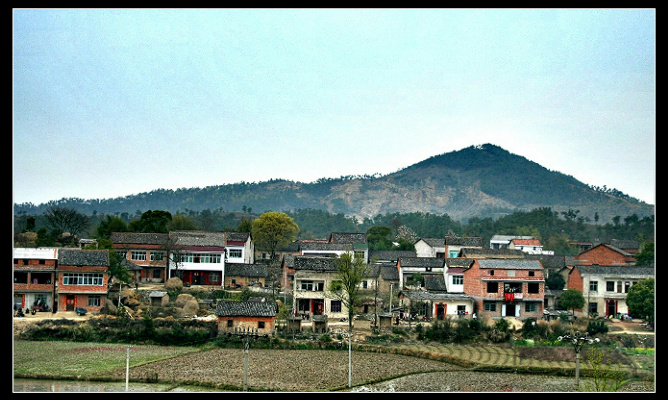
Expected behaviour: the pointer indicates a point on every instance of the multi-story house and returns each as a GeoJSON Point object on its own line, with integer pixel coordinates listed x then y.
{"type": "Point", "coordinates": [411, 267]}
{"type": "Point", "coordinates": [502, 241]}
{"type": "Point", "coordinates": [605, 287]}
{"type": "Point", "coordinates": [454, 244]}
{"type": "Point", "coordinates": [35, 278]}
{"type": "Point", "coordinates": [239, 248]}
{"type": "Point", "coordinates": [312, 279]}
{"type": "Point", "coordinates": [197, 257]}
{"type": "Point", "coordinates": [338, 243]}
{"type": "Point", "coordinates": [529, 246]}
{"type": "Point", "coordinates": [430, 247]}
{"type": "Point", "coordinates": [605, 254]}
{"type": "Point", "coordinates": [506, 287]}
{"type": "Point", "coordinates": [82, 279]}
{"type": "Point", "coordinates": [146, 250]}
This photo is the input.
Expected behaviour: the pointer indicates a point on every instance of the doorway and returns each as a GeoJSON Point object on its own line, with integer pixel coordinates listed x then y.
{"type": "Point", "coordinates": [69, 302]}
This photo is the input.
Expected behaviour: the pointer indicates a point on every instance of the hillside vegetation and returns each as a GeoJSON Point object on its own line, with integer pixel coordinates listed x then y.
{"type": "Point", "coordinates": [478, 181]}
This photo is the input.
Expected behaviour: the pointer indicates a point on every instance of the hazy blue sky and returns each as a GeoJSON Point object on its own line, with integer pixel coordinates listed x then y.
{"type": "Point", "coordinates": [112, 102]}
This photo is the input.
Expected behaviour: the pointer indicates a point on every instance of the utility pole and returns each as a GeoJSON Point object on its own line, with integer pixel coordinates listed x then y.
{"type": "Point", "coordinates": [127, 367]}
{"type": "Point", "coordinates": [247, 335]}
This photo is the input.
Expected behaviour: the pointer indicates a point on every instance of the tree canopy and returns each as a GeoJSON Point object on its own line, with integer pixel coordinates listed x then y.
{"type": "Point", "coordinates": [273, 230]}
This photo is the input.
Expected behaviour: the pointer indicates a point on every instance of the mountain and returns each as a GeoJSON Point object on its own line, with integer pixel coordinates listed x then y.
{"type": "Point", "coordinates": [477, 181]}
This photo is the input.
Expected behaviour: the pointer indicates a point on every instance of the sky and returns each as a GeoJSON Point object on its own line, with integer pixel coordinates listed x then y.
{"type": "Point", "coordinates": [114, 102]}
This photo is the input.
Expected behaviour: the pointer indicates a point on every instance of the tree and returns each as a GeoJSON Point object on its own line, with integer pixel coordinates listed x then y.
{"type": "Point", "coordinates": [640, 300]}
{"type": "Point", "coordinates": [379, 238]}
{"type": "Point", "coordinates": [62, 220]}
{"type": "Point", "coordinates": [110, 224]}
{"type": "Point", "coordinates": [645, 258]}
{"type": "Point", "coordinates": [152, 221]}
{"type": "Point", "coordinates": [555, 281]}
{"type": "Point", "coordinates": [572, 298]}
{"type": "Point", "coordinates": [346, 287]}
{"type": "Point", "coordinates": [273, 230]}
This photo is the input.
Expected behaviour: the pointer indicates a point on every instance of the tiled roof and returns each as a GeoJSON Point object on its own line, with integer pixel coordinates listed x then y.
{"type": "Point", "coordinates": [509, 264]}
{"type": "Point", "coordinates": [390, 255]}
{"type": "Point", "coordinates": [139, 238]}
{"type": "Point", "coordinates": [463, 241]}
{"type": "Point", "coordinates": [347, 238]}
{"type": "Point", "coordinates": [434, 282]}
{"type": "Point", "coordinates": [198, 238]}
{"type": "Point", "coordinates": [476, 252]}
{"type": "Point", "coordinates": [616, 270]}
{"type": "Point", "coordinates": [250, 270]}
{"type": "Point", "coordinates": [245, 309]}
{"type": "Point", "coordinates": [90, 258]}
{"type": "Point", "coordinates": [459, 262]}
{"type": "Point", "coordinates": [422, 262]}
{"type": "Point", "coordinates": [433, 242]}
{"type": "Point", "coordinates": [314, 263]}
{"type": "Point", "coordinates": [414, 295]}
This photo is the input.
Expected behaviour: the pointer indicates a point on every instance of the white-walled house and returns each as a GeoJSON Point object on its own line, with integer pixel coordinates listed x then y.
{"type": "Point", "coordinates": [197, 257]}
{"type": "Point", "coordinates": [430, 247]}
{"type": "Point", "coordinates": [239, 248]}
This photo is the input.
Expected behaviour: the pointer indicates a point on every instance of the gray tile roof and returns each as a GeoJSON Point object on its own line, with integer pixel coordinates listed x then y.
{"type": "Point", "coordinates": [459, 262]}
{"type": "Point", "coordinates": [463, 241]}
{"type": "Point", "coordinates": [245, 309]}
{"type": "Point", "coordinates": [434, 282]}
{"type": "Point", "coordinates": [347, 238]}
{"type": "Point", "coordinates": [414, 295]}
{"type": "Point", "coordinates": [616, 270]}
{"type": "Point", "coordinates": [139, 238]}
{"type": "Point", "coordinates": [390, 255]}
{"type": "Point", "coordinates": [314, 263]}
{"type": "Point", "coordinates": [474, 252]}
{"type": "Point", "coordinates": [250, 270]}
{"type": "Point", "coordinates": [198, 238]}
{"type": "Point", "coordinates": [90, 258]}
{"type": "Point", "coordinates": [433, 242]}
{"type": "Point", "coordinates": [422, 262]}
{"type": "Point", "coordinates": [509, 264]}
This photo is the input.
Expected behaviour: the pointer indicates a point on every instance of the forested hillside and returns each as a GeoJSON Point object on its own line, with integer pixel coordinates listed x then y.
{"type": "Point", "coordinates": [475, 182]}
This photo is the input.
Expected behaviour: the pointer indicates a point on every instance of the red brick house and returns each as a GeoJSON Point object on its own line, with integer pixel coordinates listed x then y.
{"type": "Point", "coordinates": [83, 279]}
{"type": "Point", "coordinates": [605, 254]}
{"type": "Point", "coordinates": [147, 250]}
{"type": "Point", "coordinates": [246, 315]}
{"type": "Point", "coordinates": [506, 287]}
{"type": "Point", "coordinates": [35, 278]}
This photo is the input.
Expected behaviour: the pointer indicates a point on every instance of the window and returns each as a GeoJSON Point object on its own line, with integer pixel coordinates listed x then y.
{"type": "Point", "coordinates": [457, 279]}
{"type": "Point", "coordinates": [157, 256]}
{"type": "Point", "coordinates": [530, 306]}
{"type": "Point", "coordinates": [306, 285]}
{"type": "Point", "coordinates": [260, 324]}
{"type": "Point", "coordinates": [593, 308]}
{"type": "Point", "coordinates": [511, 272]}
{"type": "Point", "coordinates": [83, 279]}
{"type": "Point", "coordinates": [532, 273]}
{"type": "Point", "coordinates": [593, 286]}
{"type": "Point", "coordinates": [336, 305]}
{"type": "Point", "coordinates": [533, 287]}
{"type": "Point", "coordinates": [492, 287]}
{"type": "Point", "coordinates": [214, 277]}
{"type": "Point", "coordinates": [94, 300]}
{"type": "Point", "coordinates": [203, 258]}
{"type": "Point", "coordinates": [230, 323]}
{"type": "Point", "coordinates": [234, 253]}
{"type": "Point", "coordinates": [489, 306]}
{"type": "Point", "coordinates": [453, 253]}
{"type": "Point", "coordinates": [359, 254]}
{"type": "Point", "coordinates": [491, 272]}
{"type": "Point", "coordinates": [609, 286]}
{"type": "Point", "coordinates": [156, 273]}
{"type": "Point", "coordinates": [138, 256]}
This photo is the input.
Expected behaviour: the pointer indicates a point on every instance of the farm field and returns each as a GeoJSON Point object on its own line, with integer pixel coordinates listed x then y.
{"type": "Point", "coordinates": [293, 370]}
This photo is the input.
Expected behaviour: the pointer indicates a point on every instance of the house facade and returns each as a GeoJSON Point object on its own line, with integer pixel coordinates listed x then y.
{"type": "Point", "coordinates": [430, 247]}
{"type": "Point", "coordinates": [254, 316]}
{"type": "Point", "coordinates": [604, 288]}
{"type": "Point", "coordinates": [410, 267]}
{"type": "Point", "coordinates": [83, 279]}
{"type": "Point", "coordinates": [605, 254]}
{"type": "Point", "coordinates": [454, 244]}
{"type": "Point", "coordinates": [239, 248]}
{"type": "Point", "coordinates": [529, 246]}
{"type": "Point", "coordinates": [146, 250]}
{"type": "Point", "coordinates": [237, 275]}
{"type": "Point", "coordinates": [437, 306]}
{"type": "Point", "coordinates": [312, 279]}
{"type": "Point", "coordinates": [506, 287]}
{"type": "Point", "coordinates": [197, 257]}
{"type": "Point", "coordinates": [35, 277]}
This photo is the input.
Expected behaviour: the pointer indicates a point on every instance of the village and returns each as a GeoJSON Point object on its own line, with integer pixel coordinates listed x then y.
{"type": "Point", "coordinates": [444, 278]}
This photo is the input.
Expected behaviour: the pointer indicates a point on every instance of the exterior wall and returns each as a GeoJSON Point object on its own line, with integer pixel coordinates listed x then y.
{"type": "Point", "coordinates": [74, 296]}
{"type": "Point", "coordinates": [476, 281]}
{"type": "Point", "coordinates": [316, 296]}
{"type": "Point", "coordinates": [148, 266]}
{"type": "Point", "coordinates": [603, 255]}
{"type": "Point", "coordinates": [199, 273]}
{"type": "Point", "coordinates": [252, 323]}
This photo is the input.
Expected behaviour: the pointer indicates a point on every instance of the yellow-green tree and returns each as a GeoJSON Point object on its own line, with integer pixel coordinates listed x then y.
{"type": "Point", "coordinates": [273, 230]}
